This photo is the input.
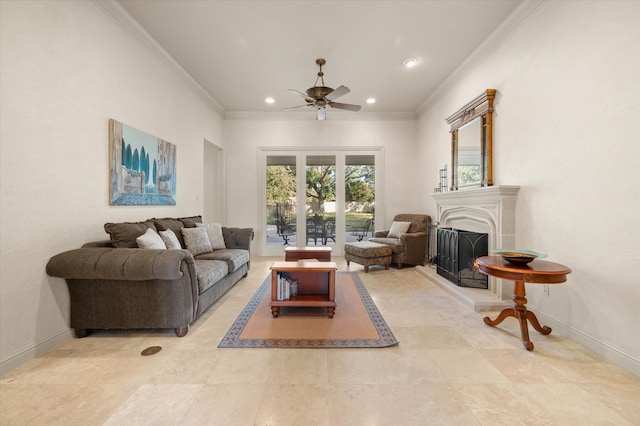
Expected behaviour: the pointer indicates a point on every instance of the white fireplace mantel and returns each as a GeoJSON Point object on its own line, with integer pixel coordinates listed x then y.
{"type": "Point", "coordinates": [489, 210]}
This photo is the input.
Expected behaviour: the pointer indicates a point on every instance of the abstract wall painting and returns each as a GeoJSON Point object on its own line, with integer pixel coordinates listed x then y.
{"type": "Point", "coordinates": [143, 168]}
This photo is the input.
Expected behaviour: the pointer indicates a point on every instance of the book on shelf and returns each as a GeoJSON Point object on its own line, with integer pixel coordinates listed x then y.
{"type": "Point", "coordinates": [283, 287]}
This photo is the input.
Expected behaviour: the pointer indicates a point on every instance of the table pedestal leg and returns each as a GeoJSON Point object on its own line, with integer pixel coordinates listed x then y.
{"type": "Point", "coordinates": [519, 311]}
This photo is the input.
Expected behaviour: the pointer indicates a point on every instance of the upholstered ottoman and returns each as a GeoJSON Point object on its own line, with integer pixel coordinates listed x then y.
{"type": "Point", "coordinates": [367, 253]}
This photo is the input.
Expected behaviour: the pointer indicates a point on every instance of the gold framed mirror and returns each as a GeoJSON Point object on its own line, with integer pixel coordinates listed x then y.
{"type": "Point", "coordinates": [472, 143]}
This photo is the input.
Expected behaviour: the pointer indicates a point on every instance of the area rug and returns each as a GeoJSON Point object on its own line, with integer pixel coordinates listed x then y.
{"type": "Point", "coordinates": [357, 322]}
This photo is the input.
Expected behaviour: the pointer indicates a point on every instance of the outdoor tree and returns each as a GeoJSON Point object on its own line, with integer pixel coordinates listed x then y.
{"type": "Point", "coordinates": [321, 186]}
{"type": "Point", "coordinates": [281, 184]}
{"type": "Point", "coordinates": [359, 183]}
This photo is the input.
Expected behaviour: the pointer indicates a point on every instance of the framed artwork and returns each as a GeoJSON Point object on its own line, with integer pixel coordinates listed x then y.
{"type": "Point", "coordinates": [143, 168]}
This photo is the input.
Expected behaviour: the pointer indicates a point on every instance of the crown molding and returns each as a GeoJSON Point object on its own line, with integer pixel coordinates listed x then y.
{"type": "Point", "coordinates": [311, 116]}
{"type": "Point", "coordinates": [117, 13]}
{"type": "Point", "coordinates": [501, 33]}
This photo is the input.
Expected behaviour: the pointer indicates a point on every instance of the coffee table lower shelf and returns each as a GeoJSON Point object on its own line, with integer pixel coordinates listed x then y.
{"type": "Point", "coordinates": [306, 301]}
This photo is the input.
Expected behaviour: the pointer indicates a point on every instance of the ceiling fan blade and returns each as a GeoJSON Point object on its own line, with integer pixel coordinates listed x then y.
{"type": "Point", "coordinates": [342, 90]}
{"type": "Point", "coordinates": [306, 98]}
{"type": "Point", "coordinates": [349, 107]}
{"type": "Point", "coordinates": [322, 114]}
{"type": "Point", "coordinates": [299, 106]}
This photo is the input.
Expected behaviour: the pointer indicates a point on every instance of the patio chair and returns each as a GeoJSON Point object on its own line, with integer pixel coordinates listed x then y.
{"type": "Point", "coordinates": [285, 230]}
{"type": "Point", "coordinates": [314, 231]}
{"type": "Point", "coordinates": [361, 231]}
{"type": "Point", "coordinates": [329, 232]}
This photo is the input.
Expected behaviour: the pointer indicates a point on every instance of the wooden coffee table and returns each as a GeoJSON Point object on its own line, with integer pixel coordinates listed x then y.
{"type": "Point", "coordinates": [316, 285]}
{"type": "Point", "coordinates": [536, 272]}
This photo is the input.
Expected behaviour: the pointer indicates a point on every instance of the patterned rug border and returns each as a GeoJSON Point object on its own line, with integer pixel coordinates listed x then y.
{"type": "Point", "coordinates": [232, 338]}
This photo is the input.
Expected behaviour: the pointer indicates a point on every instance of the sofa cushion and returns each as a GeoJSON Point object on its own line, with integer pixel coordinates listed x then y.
{"type": "Point", "coordinates": [170, 239]}
{"type": "Point", "coordinates": [397, 229]}
{"type": "Point", "coordinates": [210, 272]}
{"type": "Point", "coordinates": [196, 240]}
{"type": "Point", "coordinates": [395, 244]}
{"type": "Point", "coordinates": [235, 258]}
{"type": "Point", "coordinates": [124, 234]}
{"type": "Point", "coordinates": [151, 240]}
{"type": "Point", "coordinates": [175, 225]}
{"type": "Point", "coordinates": [214, 230]}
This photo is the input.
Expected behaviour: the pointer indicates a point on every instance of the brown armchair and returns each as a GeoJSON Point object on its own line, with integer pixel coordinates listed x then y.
{"type": "Point", "coordinates": [409, 247]}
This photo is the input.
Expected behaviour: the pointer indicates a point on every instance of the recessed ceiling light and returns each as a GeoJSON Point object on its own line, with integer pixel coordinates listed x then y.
{"type": "Point", "coordinates": [410, 62]}
{"type": "Point", "coordinates": [269, 100]}
{"type": "Point", "coordinates": [371, 100]}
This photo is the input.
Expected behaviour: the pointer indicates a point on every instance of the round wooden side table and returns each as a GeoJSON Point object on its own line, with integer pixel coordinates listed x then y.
{"type": "Point", "coordinates": [536, 272]}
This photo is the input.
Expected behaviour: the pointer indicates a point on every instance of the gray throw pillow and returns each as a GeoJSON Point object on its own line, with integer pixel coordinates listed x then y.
{"type": "Point", "coordinates": [196, 240]}
{"type": "Point", "coordinates": [170, 239]}
{"type": "Point", "coordinates": [214, 230]}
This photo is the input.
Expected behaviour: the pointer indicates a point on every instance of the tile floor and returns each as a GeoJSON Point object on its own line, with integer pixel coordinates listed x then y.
{"type": "Point", "coordinates": [449, 369]}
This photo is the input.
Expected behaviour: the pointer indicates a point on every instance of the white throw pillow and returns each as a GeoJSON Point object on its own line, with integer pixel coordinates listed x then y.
{"type": "Point", "coordinates": [150, 240]}
{"type": "Point", "coordinates": [196, 240]}
{"type": "Point", "coordinates": [170, 239]}
{"type": "Point", "coordinates": [398, 228]}
{"type": "Point", "coordinates": [214, 230]}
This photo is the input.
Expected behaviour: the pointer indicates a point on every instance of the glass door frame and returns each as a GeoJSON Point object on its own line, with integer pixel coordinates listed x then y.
{"type": "Point", "coordinates": [301, 154]}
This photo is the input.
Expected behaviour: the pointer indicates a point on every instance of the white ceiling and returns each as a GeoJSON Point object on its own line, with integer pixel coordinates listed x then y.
{"type": "Point", "coordinates": [242, 52]}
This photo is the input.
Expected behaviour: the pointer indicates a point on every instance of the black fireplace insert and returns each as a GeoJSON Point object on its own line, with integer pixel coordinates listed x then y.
{"type": "Point", "coordinates": [456, 254]}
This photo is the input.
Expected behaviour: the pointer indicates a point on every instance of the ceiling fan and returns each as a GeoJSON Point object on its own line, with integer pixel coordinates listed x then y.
{"type": "Point", "coordinates": [322, 96]}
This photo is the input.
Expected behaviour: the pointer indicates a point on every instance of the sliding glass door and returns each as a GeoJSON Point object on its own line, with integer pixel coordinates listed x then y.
{"type": "Point", "coordinates": [360, 196]}
{"type": "Point", "coordinates": [281, 200]}
{"type": "Point", "coordinates": [317, 198]}
{"type": "Point", "coordinates": [320, 203]}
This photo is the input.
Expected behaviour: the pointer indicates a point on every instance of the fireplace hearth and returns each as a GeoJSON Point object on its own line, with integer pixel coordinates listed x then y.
{"type": "Point", "coordinates": [456, 254]}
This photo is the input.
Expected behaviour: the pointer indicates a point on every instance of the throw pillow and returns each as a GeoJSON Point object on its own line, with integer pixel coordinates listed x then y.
{"type": "Point", "coordinates": [150, 240]}
{"type": "Point", "coordinates": [190, 222]}
{"type": "Point", "coordinates": [166, 223]}
{"type": "Point", "coordinates": [124, 234]}
{"type": "Point", "coordinates": [170, 239]}
{"type": "Point", "coordinates": [214, 230]}
{"type": "Point", "coordinates": [196, 240]}
{"type": "Point", "coordinates": [398, 228]}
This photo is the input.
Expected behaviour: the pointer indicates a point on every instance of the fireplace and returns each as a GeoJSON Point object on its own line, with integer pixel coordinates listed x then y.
{"type": "Point", "coordinates": [487, 210]}
{"type": "Point", "coordinates": [456, 254]}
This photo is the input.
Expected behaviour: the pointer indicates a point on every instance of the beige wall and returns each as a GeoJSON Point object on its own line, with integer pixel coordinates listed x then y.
{"type": "Point", "coordinates": [66, 68]}
{"type": "Point", "coordinates": [568, 95]}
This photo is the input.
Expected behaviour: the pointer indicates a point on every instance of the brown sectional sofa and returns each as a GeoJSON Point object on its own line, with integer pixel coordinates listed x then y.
{"type": "Point", "coordinates": [115, 285]}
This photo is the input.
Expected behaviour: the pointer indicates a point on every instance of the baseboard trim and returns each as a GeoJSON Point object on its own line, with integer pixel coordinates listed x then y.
{"type": "Point", "coordinates": [30, 352]}
{"type": "Point", "coordinates": [606, 350]}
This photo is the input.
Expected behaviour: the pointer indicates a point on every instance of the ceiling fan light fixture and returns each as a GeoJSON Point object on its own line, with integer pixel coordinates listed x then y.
{"type": "Point", "coordinates": [270, 100]}
{"type": "Point", "coordinates": [371, 100]}
{"type": "Point", "coordinates": [321, 97]}
{"type": "Point", "coordinates": [410, 62]}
